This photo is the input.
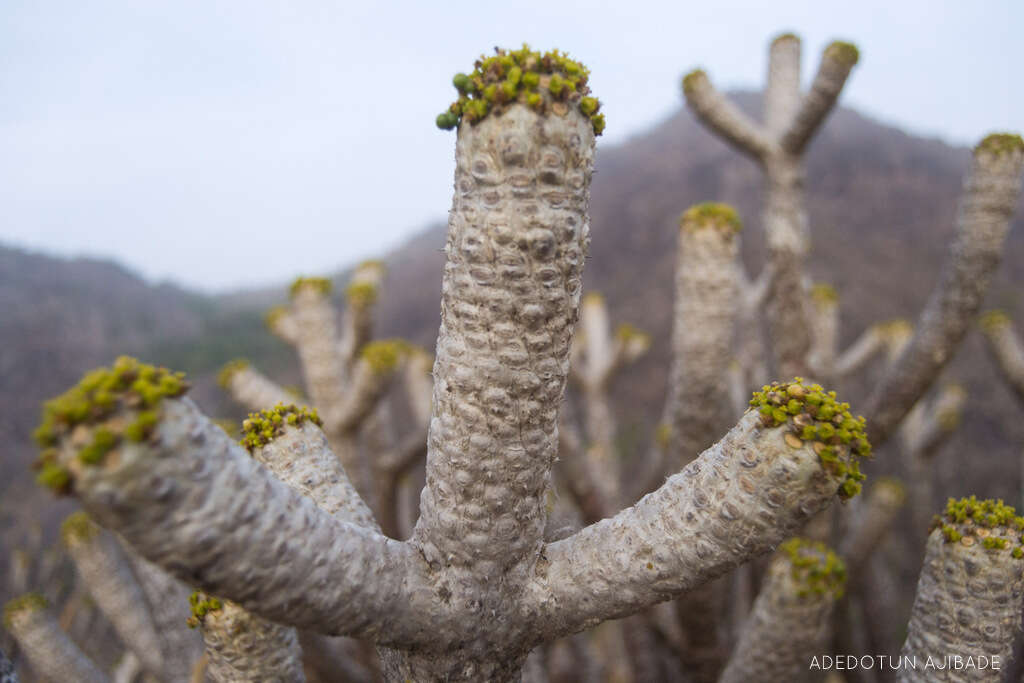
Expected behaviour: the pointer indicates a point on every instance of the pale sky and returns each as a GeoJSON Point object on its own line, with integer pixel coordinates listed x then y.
{"type": "Point", "coordinates": [227, 144]}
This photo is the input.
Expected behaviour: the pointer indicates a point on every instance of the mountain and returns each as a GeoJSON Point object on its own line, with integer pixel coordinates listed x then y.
{"type": "Point", "coordinates": [882, 205]}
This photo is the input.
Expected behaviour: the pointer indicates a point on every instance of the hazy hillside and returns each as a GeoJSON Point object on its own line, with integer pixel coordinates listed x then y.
{"type": "Point", "coordinates": [881, 202]}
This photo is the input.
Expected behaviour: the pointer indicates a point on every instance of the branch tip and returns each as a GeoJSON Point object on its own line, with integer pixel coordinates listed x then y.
{"type": "Point", "coordinates": [547, 82]}
{"type": "Point", "coordinates": [261, 428]}
{"type": "Point", "coordinates": [843, 52]}
{"type": "Point", "coordinates": [711, 214]}
{"type": "Point", "coordinates": [811, 414]}
{"type": "Point", "coordinates": [1000, 143]}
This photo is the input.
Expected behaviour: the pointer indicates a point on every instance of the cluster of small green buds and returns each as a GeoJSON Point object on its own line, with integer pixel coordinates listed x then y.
{"type": "Point", "coordinates": [1000, 143]}
{"type": "Point", "coordinates": [711, 214]}
{"type": "Point", "coordinates": [811, 414]}
{"type": "Point", "coordinates": [361, 294]}
{"type": "Point", "coordinates": [321, 285]}
{"type": "Point", "coordinates": [383, 355]}
{"type": "Point", "coordinates": [844, 52]}
{"type": "Point", "coordinates": [816, 569]}
{"type": "Point", "coordinates": [989, 523]}
{"type": "Point", "coordinates": [824, 294]}
{"type": "Point", "coordinates": [261, 428]}
{"type": "Point", "coordinates": [202, 604]}
{"type": "Point", "coordinates": [544, 82]}
{"type": "Point", "coordinates": [114, 405]}
{"type": "Point", "coordinates": [78, 526]}
{"type": "Point", "coordinates": [231, 369]}
{"type": "Point", "coordinates": [24, 603]}
{"type": "Point", "coordinates": [993, 320]}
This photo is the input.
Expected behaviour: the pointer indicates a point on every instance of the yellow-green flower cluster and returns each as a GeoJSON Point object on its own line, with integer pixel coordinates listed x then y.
{"type": "Point", "coordinates": [229, 370]}
{"type": "Point", "coordinates": [989, 523]}
{"type": "Point", "coordinates": [824, 294]}
{"type": "Point", "coordinates": [361, 294]}
{"type": "Point", "coordinates": [545, 82]}
{"type": "Point", "coordinates": [993, 320]}
{"type": "Point", "coordinates": [318, 284]}
{"type": "Point", "coordinates": [202, 604]}
{"type": "Point", "coordinates": [261, 428]}
{"type": "Point", "coordinates": [118, 403]}
{"type": "Point", "coordinates": [1001, 143]}
{"type": "Point", "coordinates": [29, 601]}
{"type": "Point", "coordinates": [816, 569]}
{"type": "Point", "coordinates": [383, 355]}
{"type": "Point", "coordinates": [711, 214]}
{"type": "Point", "coordinates": [844, 52]}
{"type": "Point", "coordinates": [811, 414]}
{"type": "Point", "coordinates": [78, 526]}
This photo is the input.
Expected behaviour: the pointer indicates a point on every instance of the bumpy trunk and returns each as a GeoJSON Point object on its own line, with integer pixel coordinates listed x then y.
{"type": "Point", "coordinates": [517, 240]}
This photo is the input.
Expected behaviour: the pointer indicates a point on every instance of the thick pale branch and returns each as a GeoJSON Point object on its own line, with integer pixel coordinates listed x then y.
{"type": "Point", "coordinates": [721, 116]}
{"type": "Point", "coordinates": [361, 296]}
{"type": "Point", "coordinates": [510, 297]}
{"type": "Point", "coordinates": [883, 502]}
{"type": "Point", "coordinates": [836, 63]}
{"type": "Point", "coordinates": [1007, 350]}
{"type": "Point", "coordinates": [282, 323]}
{"type": "Point", "coordinates": [317, 344]}
{"type": "Point", "coordinates": [368, 384]}
{"type": "Point", "coordinates": [968, 603]}
{"type": "Point", "coordinates": [107, 573]}
{"type": "Point", "coordinates": [824, 319]}
{"type": "Point", "coordinates": [990, 195]}
{"type": "Point", "coordinates": [706, 307]}
{"type": "Point", "coordinates": [301, 458]}
{"type": "Point", "coordinates": [738, 500]}
{"type": "Point", "coordinates": [790, 621]}
{"type": "Point", "coordinates": [782, 89]}
{"type": "Point", "coordinates": [252, 388]}
{"type": "Point", "coordinates": [863, 349]}
{"type": "Point", "coordinates": [194, 502]}
{"type": "Point", "coordinates": [243, 647]}
{"type": "Point", "coordinates": [929, 423]}
{"type": "Point", "coordinates": [168, 604]}
{"type": "Point", "coordinates": [48, 649]}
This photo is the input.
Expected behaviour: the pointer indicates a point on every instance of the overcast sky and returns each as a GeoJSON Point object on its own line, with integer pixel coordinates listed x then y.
{"type": "Point", "coordinates": [231, 144]}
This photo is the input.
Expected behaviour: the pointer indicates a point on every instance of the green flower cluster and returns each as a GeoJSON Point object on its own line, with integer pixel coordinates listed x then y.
{"type": "Point", "coordinates": [78, 525]}
{"type": "Point", "coordinates": [229, 370]}
{"type": "Point", "coordinates": [361, 294]}
{"type": "Point", "coordinates": [812, 414]}
{"type": "Point", "coordinates": [29, 601]}
{"type": "Point", "coordinates": [991, 523]}
{"type": "Point", "coordinates": [261, 428]}
{"type": "Point", "coordinates": [1000, 143]}
{"type": "Point", "coordinates": [318, 284]}
{"type": "Point", "coordinates": [118, 402]}
{"type": "Point", "coordinates": [711, 214]}
{"type": "Point", "coordinates": [383, 355]}
{"type": "Point", "coordinates": [816, 569]}
{"type": "Point", "coordinates": [991, 321]}
{"type": "Point", "coordinates": [543, 82]}
{"type": "Point", "coordinates": [202, 604]}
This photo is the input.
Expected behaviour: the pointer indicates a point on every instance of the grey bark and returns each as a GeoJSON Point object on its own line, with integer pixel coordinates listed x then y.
{"type": "Point", "coordinates": [968, 603]}
{"type": "Point", "coordinates": [989, 198]}
{"type": "Point", "coordinates": [48, 649]}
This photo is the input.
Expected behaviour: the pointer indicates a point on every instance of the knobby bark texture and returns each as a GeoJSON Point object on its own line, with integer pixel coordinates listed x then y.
{"type": "Point", "coordinates": [970, 593]}
{"type": "Point", "coordinates": [243, 647]}
{"type": "Point", "coordinates": [791, 618]}
{"type": "Point", "coordinates": [50, 651]}
{"type": "Point", "coordinates": [989, 198]}
{"type": "Point", "coordinates": [107, 573]}
{"type": "Point", "coordinates": [697, 409]}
